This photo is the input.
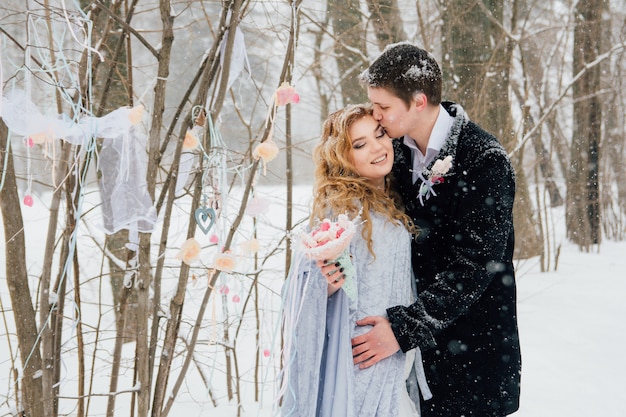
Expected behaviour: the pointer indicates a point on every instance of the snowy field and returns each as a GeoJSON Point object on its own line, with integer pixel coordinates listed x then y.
{"type": "Point", "coordinates": [573, 333]}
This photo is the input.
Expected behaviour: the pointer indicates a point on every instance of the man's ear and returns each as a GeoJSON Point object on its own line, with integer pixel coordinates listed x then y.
{"type": "Point", "coordinates": [420, 101]}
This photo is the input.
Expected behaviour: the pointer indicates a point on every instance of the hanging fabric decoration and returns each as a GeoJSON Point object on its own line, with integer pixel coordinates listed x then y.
{"type": "Point", "coordinates": [126, 203]}
{"type": "Point", "coordinates": [239, 56]}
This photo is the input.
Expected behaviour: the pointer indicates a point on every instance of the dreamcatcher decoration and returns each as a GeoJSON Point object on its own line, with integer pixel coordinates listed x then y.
{"type": "Point", "coordinates": [214, 167]}
{"type": "Point", "coordinates": [214, 178]}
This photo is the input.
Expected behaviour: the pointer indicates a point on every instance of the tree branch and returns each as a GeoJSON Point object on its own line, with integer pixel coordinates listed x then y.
{"type": "Point", "coordinates": [588, 66]}
{"type": "Point", "coordinates": [129, 28]}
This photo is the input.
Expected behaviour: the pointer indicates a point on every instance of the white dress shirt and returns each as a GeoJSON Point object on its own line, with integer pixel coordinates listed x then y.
{"type": "Point", "coordinates": [435, 143]}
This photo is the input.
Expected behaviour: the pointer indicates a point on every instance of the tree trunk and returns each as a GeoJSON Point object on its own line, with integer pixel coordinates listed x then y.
{"type": "Point", "coordinates": [613, 205]}
{"type": "Point", "coordinates": [349, 48]}
{"type": "Point", "coordinates": [17, 282]}
{"type": "Point", "coordinates": [144, 276]}
{"type": "Point", "coordinates": [387, 22]}
{"type": "Point", "coordinates": [543, 155]}
{"type": "Point", "coordinates": [476, 67]}
{"type": "Point", "coordinates": [582, 208]}
{"type": "Point", "coordinates": [533, 79]}
{"type": "Point", "coordinates": [114, 88]}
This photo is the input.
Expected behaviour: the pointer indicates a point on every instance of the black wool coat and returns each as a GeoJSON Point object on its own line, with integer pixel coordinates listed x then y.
{"type": "Point", "coordinates": [465, 319]}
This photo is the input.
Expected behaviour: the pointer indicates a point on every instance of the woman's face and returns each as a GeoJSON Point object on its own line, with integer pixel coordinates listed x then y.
{"type": "Point", "coordinates": [371, 151]}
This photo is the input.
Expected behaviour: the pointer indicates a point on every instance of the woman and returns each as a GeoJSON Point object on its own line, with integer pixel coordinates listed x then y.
{"type": "Point", "coordinates": [353, 161]}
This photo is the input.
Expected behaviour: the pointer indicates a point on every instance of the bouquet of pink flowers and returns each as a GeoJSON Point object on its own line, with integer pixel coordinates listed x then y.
{"type": "Point", "coordinates": [329, 240]}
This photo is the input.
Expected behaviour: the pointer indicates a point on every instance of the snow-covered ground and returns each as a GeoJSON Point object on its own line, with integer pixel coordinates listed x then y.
{"type": "Point", "coordinates": [573, 334]}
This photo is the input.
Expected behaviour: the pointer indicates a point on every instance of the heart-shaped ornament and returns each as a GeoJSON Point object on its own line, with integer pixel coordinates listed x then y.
{"type": "Point", "coordinates": [205, 218]}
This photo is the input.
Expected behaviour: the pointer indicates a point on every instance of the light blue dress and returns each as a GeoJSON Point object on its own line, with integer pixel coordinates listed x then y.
{"type": "Point", "coordinates": [320, 379]}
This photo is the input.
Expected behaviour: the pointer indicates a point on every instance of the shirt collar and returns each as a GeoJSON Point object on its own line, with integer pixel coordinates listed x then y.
{"type": "Point", "coordinates": [438, 137]}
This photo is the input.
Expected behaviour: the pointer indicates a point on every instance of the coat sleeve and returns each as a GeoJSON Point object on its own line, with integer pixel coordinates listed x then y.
{"type": "Point", "coordinates": [479, 234]}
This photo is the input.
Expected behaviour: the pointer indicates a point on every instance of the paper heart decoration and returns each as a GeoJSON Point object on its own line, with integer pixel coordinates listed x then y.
{"type": "Point", "coordinates": [205, 218]}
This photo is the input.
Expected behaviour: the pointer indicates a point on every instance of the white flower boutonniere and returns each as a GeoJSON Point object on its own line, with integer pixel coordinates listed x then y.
{"type": "Point", "coordinates": [433, 177]}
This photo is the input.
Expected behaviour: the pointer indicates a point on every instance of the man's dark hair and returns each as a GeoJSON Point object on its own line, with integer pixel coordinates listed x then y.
{"type": "Point", "coordinates": [405, 69]}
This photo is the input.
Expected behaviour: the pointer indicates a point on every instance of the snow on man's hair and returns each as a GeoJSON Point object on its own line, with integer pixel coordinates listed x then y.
{"type": "Point", "coordinates": [405, 69]}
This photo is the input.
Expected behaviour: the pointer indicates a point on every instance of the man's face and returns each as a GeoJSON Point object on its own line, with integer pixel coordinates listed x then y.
{"type": "Point", "coordinates": [391, 112]}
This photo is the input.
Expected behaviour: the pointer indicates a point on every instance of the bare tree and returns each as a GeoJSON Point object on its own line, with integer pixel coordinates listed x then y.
{"type": "Point", "coordinates": [582, 208]}
{"type": "Point", "coordinates": [17, 281]}
{"type": "Point", "coordinates": [387, 21]}
{"type": "Point", "coordinates": [613, 145]}
{"type": "Point", "coordinates": [476, 71]}
{"type": "Point", "coordinates": [349, 47]}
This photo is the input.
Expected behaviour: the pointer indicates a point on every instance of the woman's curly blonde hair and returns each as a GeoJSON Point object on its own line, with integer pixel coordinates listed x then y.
{"type": "Point", "coordinates": [339, 188]}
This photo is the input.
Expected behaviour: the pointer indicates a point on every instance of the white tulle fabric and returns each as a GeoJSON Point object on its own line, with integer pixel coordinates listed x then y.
{"type": "Point", "coordinates": [320, 379]}
{"type": "Point", "coordinates": [122, 160]}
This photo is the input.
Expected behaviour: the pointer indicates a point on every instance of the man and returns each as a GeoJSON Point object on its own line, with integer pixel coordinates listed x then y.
{"type": "Point", "coordinates": [465, 319]}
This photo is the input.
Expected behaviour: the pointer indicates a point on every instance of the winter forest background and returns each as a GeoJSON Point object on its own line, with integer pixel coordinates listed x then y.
{"type": "Point", "coordinates": [101, 181]}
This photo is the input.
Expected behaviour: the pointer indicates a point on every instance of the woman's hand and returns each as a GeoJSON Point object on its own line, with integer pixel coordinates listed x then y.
{"type": "Point", "coordinates": [333, 272]}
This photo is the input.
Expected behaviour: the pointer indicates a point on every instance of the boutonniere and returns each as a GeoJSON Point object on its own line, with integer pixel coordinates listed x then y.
{"type": "Point", "coordinates": [432, 177]}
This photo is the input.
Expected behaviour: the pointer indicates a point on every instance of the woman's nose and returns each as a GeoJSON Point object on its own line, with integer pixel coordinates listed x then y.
{"type": "Point", "coordinates": [376, 146]}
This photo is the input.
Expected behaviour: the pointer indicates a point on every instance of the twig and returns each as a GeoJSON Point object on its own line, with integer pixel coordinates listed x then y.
{"type": "Point", "coordinates": [129, 28]}
{"type": "Point", "coordinates": [599, 59]}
